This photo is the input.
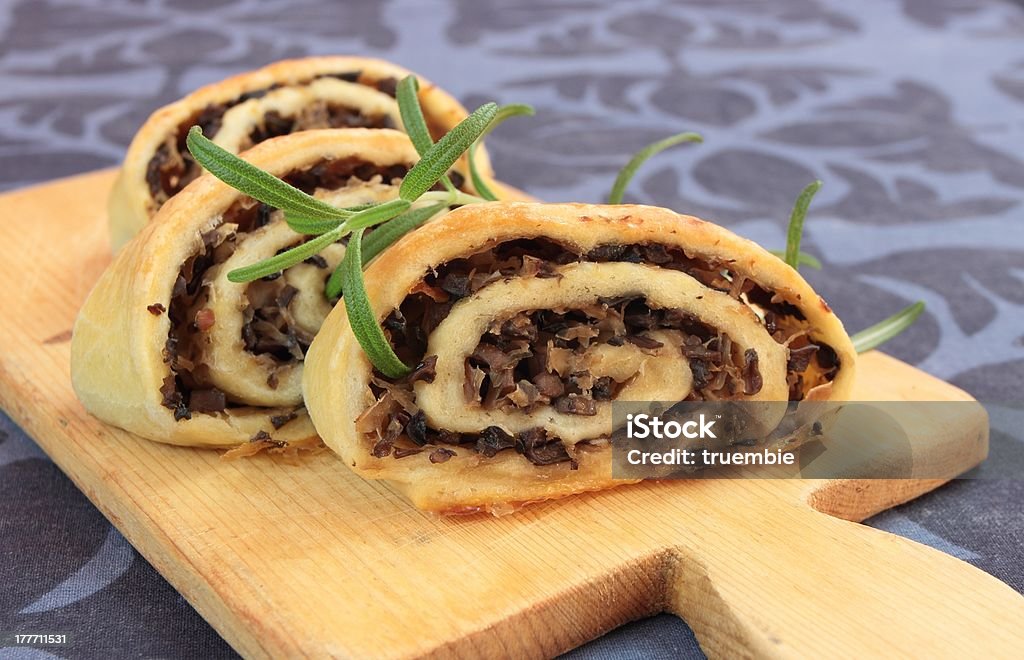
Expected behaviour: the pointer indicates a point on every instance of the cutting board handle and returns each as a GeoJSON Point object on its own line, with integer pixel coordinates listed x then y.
{"type": "Point", "coordinates": [819, 586]}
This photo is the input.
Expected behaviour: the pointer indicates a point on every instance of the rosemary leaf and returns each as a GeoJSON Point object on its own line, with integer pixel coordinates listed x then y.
{"type": "Point", "coordinates": [366, 218]}
{"type": "Point", "coordinates": [360, 207]}
{"type": "Point", "coordinates": [481, 187]}
{"type": "Point", "coordinates": [333, 288]}
{"type": "Point", "coordinates": [382, 237]}
{"type": "Point", "coordinates": [796, 224]}
{"type": "Point", "coordinates": [803, 259]}
{"type": "Point", "coordinates": [256, 183]}
{"type": "Point", "coordinates": [504, 112]}
{"type": "Point", "coordinates": [286, 259]}
{"type": "Point", "coordinates": [883, 331]}
{"type": "Point", "coordinates": [415, 125]}
{"type": "Point", "coordinates": [386, 234]}
{"type": "Point", "coordinates": [626, 173]}
{"type": "Point", "coordinates": [303, 224]}
{"type": "Point", "coordinates": [407, 95]}
{"type": "Point", "coordinates": [442, 155]}
{"type": "Point", "coordinates": [360, 313]}
{"type": "Point", "coordinates": [377, 214]}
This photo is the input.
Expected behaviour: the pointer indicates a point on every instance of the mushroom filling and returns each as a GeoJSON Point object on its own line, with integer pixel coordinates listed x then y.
{"type": "Point", "coordinates": [539, 357]}
{"type": "Point", "coordinates": [269, 327]}
{"type": "Point", "coordinates": [171, 167]}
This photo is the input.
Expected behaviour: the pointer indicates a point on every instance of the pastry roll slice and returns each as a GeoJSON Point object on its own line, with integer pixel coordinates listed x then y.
{"type": "Point", "coordinates": [526, 321]}
{"type": "Point", "coordinates": [170, 349]}
{"type": "Point", "coordinates": [283, 98]}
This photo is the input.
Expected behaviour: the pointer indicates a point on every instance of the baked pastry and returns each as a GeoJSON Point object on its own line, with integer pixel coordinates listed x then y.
{"type": "Point", "coordinates": [525, 321]}
{"type": "Point", "coordinates": [170, 349]}
{"type": "Point", "coordinates": [282, 98]}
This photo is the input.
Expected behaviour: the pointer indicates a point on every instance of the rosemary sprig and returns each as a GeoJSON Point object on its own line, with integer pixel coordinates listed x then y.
{"type": "Point", "coordinates": [361, 318]}
{"type": "Point", "coordinates": [307, 215]}
{"type": "Point", "coordinates": [795, 232]}
{"type": "Point", "coordinates": [256, 183]}
{"type": "Point", "coordinates": [883, 331]}
{"type": "Point", "coordinates": [407, 95]}
{"type": "Point", "coordinates": [868, 338]}
{"type": "Point", "coordinates": [864, 340]}
{"type": "Point", "coordinates": [286, 259]}
{"type": "Point", "coordinates": [443, 154]}
{"type": "Point", "coordinates": [365, 218]}
{"type": "Point", "coordinates": [627, 172]}
{"type": "Point", "coordinates": [504, 112]}
{"type": "Point", "coordinates": [382, 237]}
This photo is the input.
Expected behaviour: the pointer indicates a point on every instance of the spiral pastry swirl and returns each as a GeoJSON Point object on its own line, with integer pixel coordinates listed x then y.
{"type": "Point", "coordinates": [527, 321]}
{"type": "Point", "coordinates": [283, 98]}
{"type": "Point", "coordinates": [170, 349]}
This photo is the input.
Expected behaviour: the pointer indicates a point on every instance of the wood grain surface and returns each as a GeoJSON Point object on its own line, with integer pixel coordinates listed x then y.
{"type": "Point", "coordinates": [305, 559]}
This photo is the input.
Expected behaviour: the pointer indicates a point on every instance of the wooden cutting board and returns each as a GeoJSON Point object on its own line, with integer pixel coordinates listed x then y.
{"type": "Point", "coordinates": [307, 559]}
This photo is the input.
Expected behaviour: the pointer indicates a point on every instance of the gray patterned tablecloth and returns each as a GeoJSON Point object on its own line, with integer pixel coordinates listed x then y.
{"type": "Point", "coordinates": [911, 111]}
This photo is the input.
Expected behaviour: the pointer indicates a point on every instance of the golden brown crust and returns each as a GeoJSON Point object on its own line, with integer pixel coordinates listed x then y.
{"type": "Point", "coordinates": [131, 206]}
{"type": "Point", "coordinates": [336, 378]}
{"type": "Point", "coordinates": [117, 350]}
